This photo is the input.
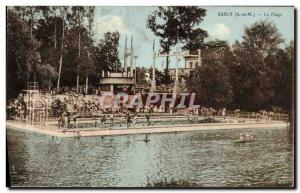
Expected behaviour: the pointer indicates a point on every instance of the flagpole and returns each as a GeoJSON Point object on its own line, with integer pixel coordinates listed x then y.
{"type": "Point", "coordinates": [153, 84]}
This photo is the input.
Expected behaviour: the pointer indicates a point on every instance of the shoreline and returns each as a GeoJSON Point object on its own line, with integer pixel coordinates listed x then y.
{"type": "Point", "coordinates": [89, 132]}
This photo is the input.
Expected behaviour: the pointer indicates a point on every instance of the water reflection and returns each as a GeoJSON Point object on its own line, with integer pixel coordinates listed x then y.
{"type": "Point", "coordinates": [207, 158]}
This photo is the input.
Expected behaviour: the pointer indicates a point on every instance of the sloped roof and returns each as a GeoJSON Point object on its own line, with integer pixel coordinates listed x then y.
{"type": "Point", "coordinates": [209, 51]}
{"type": "Point", "coordinates": [206, 52]}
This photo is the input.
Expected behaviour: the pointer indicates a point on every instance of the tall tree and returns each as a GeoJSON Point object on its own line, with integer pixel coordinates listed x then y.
{"type": "Point", "coordinates": [90, 17]}
{"type": "Point", "coordinates": [252, 70]}
{"type": "Point", "coordinates": [63, 13]}
{"type": "Point", "coordinates": [216, 44]}
{"type": "Point", "coordinates": [283, 73]}
{"type": "Point", "coordinates": [175, 25]}
{"type": "Point", "coordinates": [23, 57]}
{"type": "Point", "coordinates": [30, 14]}
{"type": "Point", "coordinates": [50, 32]}
{"type": "Point", "coordinates": [48, 13]}
{"type": "Point", "coordinates": [17, 46]}
{"type": "Point", "coordinates": [140, 76]}
{"type": "Point", "coordinates": [211, 81]}
{"type": "Point", "coordinates": [78, 16]}
{"type": "Point", "coordinates": [106, 54]}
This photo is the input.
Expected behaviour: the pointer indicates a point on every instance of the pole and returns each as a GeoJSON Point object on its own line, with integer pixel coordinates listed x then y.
{"type": "Point", "coordinates": [176, 83]}
{"type": "Point", "coordinates": [77, 78]}
{"type": "Point", "coordinates": [177, 58]}
{"type": "Point", "coordinates": [131, 57]}
{"type": "Point", "coordinates": [125, 56]}
{"type": "Point", "coordinates": [135, 57]}
{"type": "Point", "coordinates": [153, 84]}
{"type": "Point", "coordinates": [62, 47]}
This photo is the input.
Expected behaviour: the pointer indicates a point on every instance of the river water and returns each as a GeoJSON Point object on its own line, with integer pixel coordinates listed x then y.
{"type": "Point", "coordinates": [205, 158]}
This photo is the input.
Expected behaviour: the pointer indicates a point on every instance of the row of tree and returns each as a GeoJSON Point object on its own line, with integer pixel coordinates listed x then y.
{"type": "Point", "coordinates": [175, 25]}
{"type": "Point", "coordinates": [255, 73]}
{"type": "Point", "coordinates": [54, 46]}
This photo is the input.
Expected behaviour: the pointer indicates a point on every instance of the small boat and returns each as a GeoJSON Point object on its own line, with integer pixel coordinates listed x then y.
{"type": "Point", "coordinates": [245, 138]}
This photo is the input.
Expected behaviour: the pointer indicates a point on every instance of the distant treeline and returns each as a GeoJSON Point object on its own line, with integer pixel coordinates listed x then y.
{"type": "Point", "coordinates": [54, 46]}
{"type": "Point", "coordinates": [253, 74]}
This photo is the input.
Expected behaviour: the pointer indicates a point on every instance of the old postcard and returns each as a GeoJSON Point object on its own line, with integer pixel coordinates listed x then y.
{"type": "Point", "coordinates": [150, 97]}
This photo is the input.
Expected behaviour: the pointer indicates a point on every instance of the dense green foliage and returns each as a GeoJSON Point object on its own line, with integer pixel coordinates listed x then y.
{"type": "Point", "coordinates": [254, 74]}
{"type": "Point", "coordinates": [41, 39]}
{"type": "Point", "coordinates": [178, 24]}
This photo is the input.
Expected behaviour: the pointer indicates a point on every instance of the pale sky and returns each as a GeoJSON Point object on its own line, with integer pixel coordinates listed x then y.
{"type": "Point", "coordinates": [132, 21]}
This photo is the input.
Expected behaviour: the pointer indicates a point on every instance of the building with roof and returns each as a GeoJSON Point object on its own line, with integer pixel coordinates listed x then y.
{"type": "Point", "coordinates": [124, 81]}
{"type": "Point", "coordinates": [193, 59]}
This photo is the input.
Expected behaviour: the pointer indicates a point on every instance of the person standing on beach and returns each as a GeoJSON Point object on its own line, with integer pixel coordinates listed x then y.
{"type": "Point", "coordinates": [134, 119]}
{"type": "Point", "coordinates": [99, 120]}
{"type": "Point", "coordinates": [75, 122]}
{"type": "Point", "coordinates": [111, 119]}
{"type": "Point", "coordinates": [59, 121]}
{"type": "Point", "coordinates": [62, 121]}
{"type": "Point", "coordinates": [69, 121]}
{"type": "Point", "coordinates": [128, 120]}
{"type": "Point", "coordinates": [223, 113]}
{"type": "Point", "coordinates": [96, 122]}
{"type": "Point", "coordinates": [148, 118]}
{"type": "Point", "coordinates": [66, 121]}
{"type": "Point", "coordinates": [103, 121]}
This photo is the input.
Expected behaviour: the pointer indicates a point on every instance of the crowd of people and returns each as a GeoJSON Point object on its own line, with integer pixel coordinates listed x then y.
{"type": "Point", "coordinates": [69, 121]}
{"type": "Point", "coordinates": [67, 108]}
{"type": "Point", "coordinates": [73, 89]}
{"type": "Point", "coordinates": [17, 107]}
